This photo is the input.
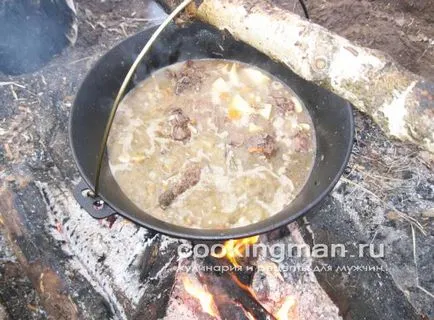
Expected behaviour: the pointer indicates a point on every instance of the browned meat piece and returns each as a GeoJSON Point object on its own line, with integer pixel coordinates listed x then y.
{"type": "Point", "coordinates": [284, 105]}
{"type": "Point", "coordinates": [302, 142]}
{"type": "Point", "coordinates": [190, 77]}
{"type": "Point", "coordinates": [166, 198]}
{"type": "Point", "coordinates": [181, 133]}
{"type": "Point", "coordinates": [263, 143]}
{"type": "Point", "coordinates": [189, 179]}
{"type": "Point", "coordinates": [178, 118]}
{"type": "Point", "coordinates": [179, 122]}
{"type": "Point", "coordinates": [182, 84]}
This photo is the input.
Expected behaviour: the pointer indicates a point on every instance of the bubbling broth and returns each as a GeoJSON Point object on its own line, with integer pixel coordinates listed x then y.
{"type": "Point", "coordinates": [211, 144]}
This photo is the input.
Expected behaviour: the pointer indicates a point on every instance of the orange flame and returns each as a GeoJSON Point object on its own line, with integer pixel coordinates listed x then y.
{"type": "Point", "coordinates": [244, 287]}
{"type": "Point", "coordinates": [234, 249]}
{"type": "Point", "coordinates": [205, 298]}
{"type": "Point", "coordinates": [286, 311]}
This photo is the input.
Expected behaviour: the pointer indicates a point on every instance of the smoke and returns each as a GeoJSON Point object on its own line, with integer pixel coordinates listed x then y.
{"type": "Point", "coordinates": [32, 32]}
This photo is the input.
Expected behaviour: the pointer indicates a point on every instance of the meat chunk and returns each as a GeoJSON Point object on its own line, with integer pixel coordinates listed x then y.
{"type": "Point", "coordinates": [182, 84]}
{"type": "Point", "coordinates": [166, 198]}
{"type": "Point", "coordinates": [283, 105]}
{"type": "Point", "coordinates": [302, 142]}
{"type": "Point", "coordinates": [190, 77]}
{"type": "Point", "coordinates": [263, 143]}
{"type": "Point", "coordinates": [189, 178]}
{"type": "Point", "coordinates": [181, 133]}
{"type": "Point", "coordinates": [179, 122]}
{"type": "Point", "coordinates": [178, 118]}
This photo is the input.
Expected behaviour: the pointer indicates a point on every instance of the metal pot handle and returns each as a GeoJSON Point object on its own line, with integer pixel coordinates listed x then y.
{"type": "Point", "coordinates": [124, 85]}
{"type": "Point", "coordinates": [92, 203]}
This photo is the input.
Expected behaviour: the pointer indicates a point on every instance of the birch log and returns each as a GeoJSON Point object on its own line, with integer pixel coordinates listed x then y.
{"type": "Point", "coordinates": [400, 102]}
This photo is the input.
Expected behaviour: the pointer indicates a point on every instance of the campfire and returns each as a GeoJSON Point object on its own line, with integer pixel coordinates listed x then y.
{"type": "Point", "coordinates": [198, 292]}
{"type": "Point", "coordinates": [234, 249]}
{"type": "Point", "coordinates": [57, 262]}
{"type": "Point", "coordinates": [232, 285]}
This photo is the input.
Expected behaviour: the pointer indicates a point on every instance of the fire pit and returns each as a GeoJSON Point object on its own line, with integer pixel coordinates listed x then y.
{"type": "Point", "coordinates": [58, 262]}
{"type": "Point", "coordinates": [235, 279]}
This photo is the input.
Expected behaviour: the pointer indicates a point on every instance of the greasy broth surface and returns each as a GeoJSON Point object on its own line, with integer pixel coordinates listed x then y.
{"type": "Point", "coordinates": [211, 144]}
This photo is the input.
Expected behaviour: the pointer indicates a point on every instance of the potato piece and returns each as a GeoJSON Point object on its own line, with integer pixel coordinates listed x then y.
{"type": "Point", "coordinates": [124, 158]}
{"type": "Point", "coordinates": [234, 114]}
{"type": "Point", "coordinates": [253, 128]}
{"type": "Point", "coordinates": [238, 108]}
{"type": "Point", "coordinates": [255, 76]}
{"type": "Point", "coordinates": [297, 105]}
{"type": "Point", "coordinates": [138, 159]}
{"type": "Point", "coordinates": [266, 111]}
{"type": "Point", "coordinates": [220, 88]}
{"type": "Point", "coordinates": [304, 126]}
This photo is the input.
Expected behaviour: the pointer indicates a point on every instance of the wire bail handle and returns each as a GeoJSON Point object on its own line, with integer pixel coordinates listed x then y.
{"type": "Point", "coordinates": [125, 83]}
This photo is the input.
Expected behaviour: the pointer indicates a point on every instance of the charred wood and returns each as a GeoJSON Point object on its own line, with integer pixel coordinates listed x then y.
{"type": "Point", "coordinates": [158, 268]}
{"type": "Point", "coordinates": [227, 286]}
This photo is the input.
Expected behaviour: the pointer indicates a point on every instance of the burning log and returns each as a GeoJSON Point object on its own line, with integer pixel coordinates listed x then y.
{"type": "Point", "coordinates": [227, 288]}
{"type": "Point", "coordinates": [238, 293]}
{"type": "Point", "coordinates": [205, 299]}
{"type": "Point", "coordinates": [257, 287]}
{"type": "Point", "coordinates": [400, 102]}
{"type": "Point", "coordinates": [273, 292]}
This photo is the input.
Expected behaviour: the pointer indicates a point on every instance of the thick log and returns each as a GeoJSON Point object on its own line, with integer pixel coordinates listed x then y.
{"type": "Point", "coordinates": [400, 102]}
{"type": "Point", "coordinates": [158, 268]}
{"type": "Point", "coordinates": [45, 280]}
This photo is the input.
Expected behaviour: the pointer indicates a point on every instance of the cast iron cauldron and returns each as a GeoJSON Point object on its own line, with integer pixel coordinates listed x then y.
{"type": "Point", "coordinates": [332, 117]}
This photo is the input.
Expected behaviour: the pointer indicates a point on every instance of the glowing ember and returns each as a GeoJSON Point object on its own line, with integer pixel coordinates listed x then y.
{"type": "Point", "coordinates": [205, 298]}
{"type": "Point", "coordinates": [287, 311]}
{"type": "Point", "coordinates": [234, 249]}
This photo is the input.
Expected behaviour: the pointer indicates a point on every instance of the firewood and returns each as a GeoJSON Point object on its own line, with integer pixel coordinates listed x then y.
{"type": "Point", "coordinates": [400, 102]}
{"type": "Point", "coordinates": [230, 286]}
{"type": "Point", "coordinates": [49, 285]}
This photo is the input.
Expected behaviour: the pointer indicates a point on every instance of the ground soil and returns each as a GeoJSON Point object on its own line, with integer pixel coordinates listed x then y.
{"type": "Point", "coordinates": [402, 28]}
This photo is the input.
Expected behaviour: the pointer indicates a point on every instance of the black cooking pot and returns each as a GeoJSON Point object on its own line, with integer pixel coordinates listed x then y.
{"type": "Point", "coordinates": [332, 117]}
